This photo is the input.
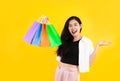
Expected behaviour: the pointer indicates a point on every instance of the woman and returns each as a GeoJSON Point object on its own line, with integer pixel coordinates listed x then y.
{"type": "Point", "coordinates": [76, 53]}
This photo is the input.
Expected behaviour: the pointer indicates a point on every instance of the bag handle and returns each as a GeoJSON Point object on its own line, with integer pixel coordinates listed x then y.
{"type": "Point", "coordinates": [43, 19]}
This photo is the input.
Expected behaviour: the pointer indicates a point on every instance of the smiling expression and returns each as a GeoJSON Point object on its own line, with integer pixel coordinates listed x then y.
{"type": "Point", "coordinates": [74, 28]}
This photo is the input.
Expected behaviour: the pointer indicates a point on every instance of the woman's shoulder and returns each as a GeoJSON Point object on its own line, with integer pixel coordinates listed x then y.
{"type": "Point", "coordinates": [86, 39]}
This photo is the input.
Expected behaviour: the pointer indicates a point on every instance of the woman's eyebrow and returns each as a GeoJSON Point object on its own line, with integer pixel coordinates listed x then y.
{"type": "Point", "coordinates": [70, 24]}
{"type": "Point", "coordinates": [75, 23]}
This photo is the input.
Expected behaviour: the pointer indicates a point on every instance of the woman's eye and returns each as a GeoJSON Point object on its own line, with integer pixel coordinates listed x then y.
{"type": "Point", "coordinates": [70, 25]}
{"type": "Point", "coordinates": [75, 24]}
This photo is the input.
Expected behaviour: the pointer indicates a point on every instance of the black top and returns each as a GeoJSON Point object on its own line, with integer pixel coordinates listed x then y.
{"type": "Point", "coordinates": [72, 55]}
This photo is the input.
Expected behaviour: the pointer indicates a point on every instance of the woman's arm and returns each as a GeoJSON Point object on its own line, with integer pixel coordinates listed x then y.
{"type": "Point", "coordinates": [93, 55]}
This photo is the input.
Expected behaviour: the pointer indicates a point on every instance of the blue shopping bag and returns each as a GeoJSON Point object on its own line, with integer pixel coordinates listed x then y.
{"type": "Point", "coordinates": [37, 36]}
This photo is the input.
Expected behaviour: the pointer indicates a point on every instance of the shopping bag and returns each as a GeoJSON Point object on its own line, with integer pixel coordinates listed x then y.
{"type": "Point", "coordinates": [44, 38]}
{"type": "Point", "coordinates": [53, 36]}
{"type": "Point", "coordinates": [37, 36]}
{"type": "Point", "coordinates": [30, 34]}
{"type": "Point", "coordinates": [43, 34]}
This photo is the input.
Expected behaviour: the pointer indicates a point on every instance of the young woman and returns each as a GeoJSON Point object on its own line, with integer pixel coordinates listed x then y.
{"type": "Point", "coordinates": [76, 53]}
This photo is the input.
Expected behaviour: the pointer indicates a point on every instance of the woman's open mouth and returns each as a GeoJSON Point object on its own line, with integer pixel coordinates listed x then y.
{"type": "Point", "coordinates": [73, 32]}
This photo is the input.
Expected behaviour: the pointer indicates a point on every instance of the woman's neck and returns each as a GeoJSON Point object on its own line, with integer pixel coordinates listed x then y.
{"type": "Point", "coordinates": [77, 38]}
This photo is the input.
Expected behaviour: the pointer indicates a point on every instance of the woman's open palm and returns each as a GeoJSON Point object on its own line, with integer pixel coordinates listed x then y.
{"type": "Point", "coordinates": [104, 43]}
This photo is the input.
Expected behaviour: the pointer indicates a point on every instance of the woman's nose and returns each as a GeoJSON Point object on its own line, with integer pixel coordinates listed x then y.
{"type": "Point", "coordinates": [73, 28]}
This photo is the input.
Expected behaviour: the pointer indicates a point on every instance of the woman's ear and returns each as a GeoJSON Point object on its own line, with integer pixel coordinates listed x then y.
{"type": "Point", "coordinates": [80, 28]}
{"type": "Point", "coordinates": [80, 25]}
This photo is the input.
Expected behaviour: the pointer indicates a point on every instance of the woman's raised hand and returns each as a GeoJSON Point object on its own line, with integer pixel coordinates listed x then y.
{"type": "Point", "coordinates": [103, 43]}
{"type": "Point", "coordinates": [44, 19]}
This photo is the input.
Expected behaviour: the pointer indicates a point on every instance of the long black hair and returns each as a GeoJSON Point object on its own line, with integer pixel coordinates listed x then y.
{"type": "Point", "coordinates": [66, 37]}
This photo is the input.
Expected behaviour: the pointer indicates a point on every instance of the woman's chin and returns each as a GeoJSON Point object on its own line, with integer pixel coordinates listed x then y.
{"type": "Point", "coordinates": [75, 35]}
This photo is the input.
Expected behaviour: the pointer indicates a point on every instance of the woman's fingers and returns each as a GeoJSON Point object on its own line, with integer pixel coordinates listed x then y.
{"type": "Point", "coordinates": [44, 19]}
{"type": "Point", "coordinates": [103, 43]}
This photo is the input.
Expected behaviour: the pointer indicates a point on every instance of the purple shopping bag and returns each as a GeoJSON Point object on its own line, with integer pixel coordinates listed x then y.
{"type": "Point", "coordinates": [30, 34]}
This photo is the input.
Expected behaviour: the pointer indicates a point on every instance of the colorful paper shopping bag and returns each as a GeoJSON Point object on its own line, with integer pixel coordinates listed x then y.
{"type": "Point", "coordinates": [53, 36]}
{"type": "Point", "coordinates": [37, 36]}
{"type": "Point", "coordinates": [30, 34]}
{"type": "Point", "coordinates": [44, 39]}
{"type": "Point", "coordinates": [43, 34]}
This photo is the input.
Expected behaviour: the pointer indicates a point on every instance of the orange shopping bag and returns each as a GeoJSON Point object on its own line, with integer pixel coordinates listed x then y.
{"type": "Point", "coordinates": [44, 38]}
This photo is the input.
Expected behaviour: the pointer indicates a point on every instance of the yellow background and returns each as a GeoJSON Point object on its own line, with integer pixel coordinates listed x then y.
{"type": "Point", "coordinates": [20, 61]}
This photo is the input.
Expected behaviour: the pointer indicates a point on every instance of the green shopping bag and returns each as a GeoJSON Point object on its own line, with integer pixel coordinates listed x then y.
{"type": "Point", "coordinates": [53, 36]}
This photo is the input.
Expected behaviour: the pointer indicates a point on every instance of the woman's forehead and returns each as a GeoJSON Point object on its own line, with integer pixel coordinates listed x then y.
{"type": "Point", "coordinates": [73, 21]}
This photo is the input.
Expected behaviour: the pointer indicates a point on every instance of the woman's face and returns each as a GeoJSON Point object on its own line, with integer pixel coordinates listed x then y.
{"type": "Point", "coordinates": [74, 28]}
